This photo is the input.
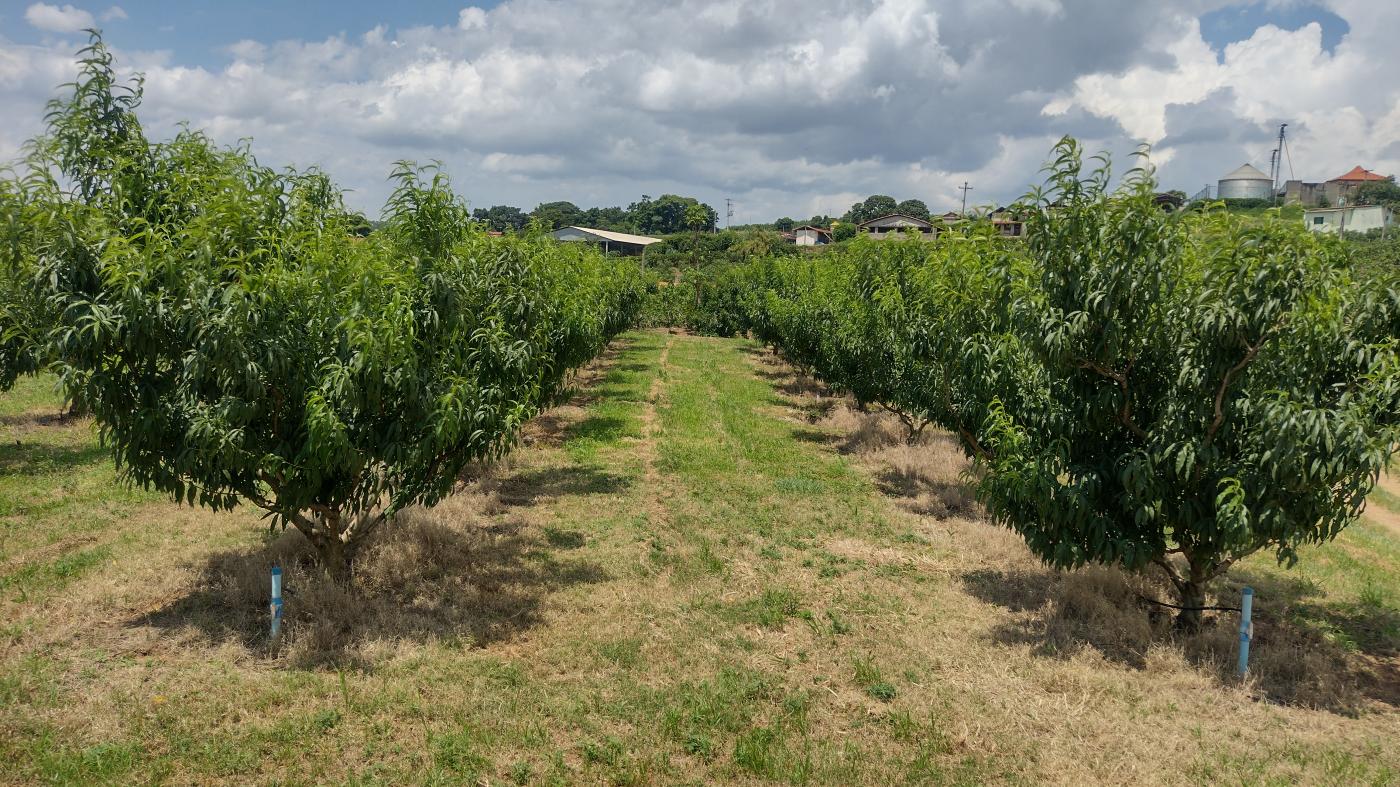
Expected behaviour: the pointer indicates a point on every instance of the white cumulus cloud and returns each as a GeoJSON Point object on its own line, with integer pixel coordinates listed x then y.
{"type": "Point", "coordinates": [791, 107]}
{"type": "Point", "coordinates": [58, 19]}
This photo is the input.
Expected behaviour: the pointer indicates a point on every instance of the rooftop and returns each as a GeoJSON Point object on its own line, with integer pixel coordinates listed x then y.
{"type": "Point", "coordinates": [1357, 174]}
{"type": "Point", "coordinates": [1246, 172]}
{"type": "Point", "coordinates": [918, 222]}
{"type": "Point", "coordinates": [615, 237]}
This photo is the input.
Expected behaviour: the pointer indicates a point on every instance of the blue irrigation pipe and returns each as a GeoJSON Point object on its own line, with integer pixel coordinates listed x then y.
{"type": "Point", "coordinates": [276, 601]}
{"type": "Point", "coordinates": [1246, 628]}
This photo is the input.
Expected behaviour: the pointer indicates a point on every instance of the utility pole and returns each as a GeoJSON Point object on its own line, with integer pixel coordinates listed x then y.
{"type": "Point", "coordinates": [1278, 158]}
{"type": "Point", "coordinates": [728, 211]}
{"type": "Point", "coordinates": [965, 189]}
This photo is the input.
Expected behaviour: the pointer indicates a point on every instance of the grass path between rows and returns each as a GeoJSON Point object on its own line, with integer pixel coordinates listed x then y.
{"type": "Point", "coordinates": [686, 575]}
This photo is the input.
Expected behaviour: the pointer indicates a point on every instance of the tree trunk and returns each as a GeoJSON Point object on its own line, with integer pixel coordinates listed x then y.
{"type": "Point", "coordinates": [915, 432]}
{"type": "Point", "coordinates": [337, 559]}
{"type": "Point", "coordinates": [1193, 595]}
{"type": "Point", "coordinates": [1191, 585]}
{"type": "Point", "coordinates": [336, 541]}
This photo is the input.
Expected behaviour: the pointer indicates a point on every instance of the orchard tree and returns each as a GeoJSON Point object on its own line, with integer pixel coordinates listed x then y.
{"type": "Point", "coordinates": [26, 316]}
{"type": "Point", "coordinates": [236, 345]}
{"type": "Point", "coordinates": [1210, 389]}
{"type": "Point", "coordinates": [757, 242]}
{"type": "Point", "coordinates": [696, 218]}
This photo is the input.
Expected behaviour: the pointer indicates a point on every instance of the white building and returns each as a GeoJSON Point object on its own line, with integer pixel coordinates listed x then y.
{"type": "Point", "coordinates": [894, 225]}
{"type": "Point", "coordinates": [620, 242]}
{"type": "Point", "coordinates": [1357, 218]}
{"type": "Point", "coordinates": [811, 236]}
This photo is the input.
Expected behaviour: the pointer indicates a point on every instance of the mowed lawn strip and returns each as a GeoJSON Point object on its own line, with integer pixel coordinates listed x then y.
{"type": "Point", "coordinates": [702, 589]}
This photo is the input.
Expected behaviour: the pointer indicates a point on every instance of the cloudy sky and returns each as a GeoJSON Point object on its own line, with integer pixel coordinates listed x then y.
{"type": "Point", "coordinates": [790, 107]}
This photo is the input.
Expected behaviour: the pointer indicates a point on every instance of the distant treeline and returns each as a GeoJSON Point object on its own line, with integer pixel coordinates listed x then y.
{"type": "Point", "coordinates": [669, 213]}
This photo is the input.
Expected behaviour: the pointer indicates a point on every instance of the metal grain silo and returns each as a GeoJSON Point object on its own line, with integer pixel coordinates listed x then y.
{"type": "Point", "coordinates": [1245, 183]}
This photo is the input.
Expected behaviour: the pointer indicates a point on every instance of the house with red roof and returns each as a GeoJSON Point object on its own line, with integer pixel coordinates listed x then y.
{"type": "Point", "coordinates": [1334, 193]}
{"type": "Point", "coordinates": [1339, 189]}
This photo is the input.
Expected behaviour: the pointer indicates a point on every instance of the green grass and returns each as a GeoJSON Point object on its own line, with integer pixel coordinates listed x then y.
{"type": "Point", "coordinates": [700, 597]}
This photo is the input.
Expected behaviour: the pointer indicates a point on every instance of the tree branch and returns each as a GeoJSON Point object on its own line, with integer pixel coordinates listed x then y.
{"type": "Point", "coordinates": [1251, 351]}
{"type": "Point", "coordinates": [1125, 413]}
{"type": "Point", "coordinates": [1219, 419]}
{"type": "Point", "coordinates": [1172, 574]}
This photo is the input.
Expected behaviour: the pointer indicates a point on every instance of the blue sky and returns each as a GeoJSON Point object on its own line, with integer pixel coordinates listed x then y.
{"type": "Point", "coordinates": [790, 107]}
{"type": "Point", "coordinates": [196, 32]}
{"type": "Point", "coordinates": [1238, 22]}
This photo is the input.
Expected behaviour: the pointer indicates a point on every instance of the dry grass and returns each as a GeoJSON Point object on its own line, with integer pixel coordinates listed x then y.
{"type": "Point", "coordinates": [1100, 612]}
{"type": "Point", "coordinates": [677, 579]}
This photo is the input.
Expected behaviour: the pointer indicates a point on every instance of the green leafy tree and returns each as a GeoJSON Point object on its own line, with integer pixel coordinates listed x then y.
{"type": "Point", "coordinates": [758, 243]}
{"type": "Point", "coordinates": [696, 218]}
{"type": "Point", "coordinates": [668, 214]}
{"type": "Point", "coordinates": [784, 224]}
{"type": "Point", "coordinates": [613, 218]}
{"type": "Point", "coordinates": [26, 316]}
{"type": "Point", "coordinates": [913, 208]}
{"type": "Point", "coordinates": [872, 207]}
{"type": "Point", "coordinates": [843, 230]}
{"type": "Point", "coordinates": [557, 214]}
{"type": "Point", "coordinates": [1384, 192]}
{"type": "Point", "coordinates": [502, 218]}
{"type": "Point", "coordinates": [236, 345]}
{"type": "Point", "coordinates": [1212, 390]}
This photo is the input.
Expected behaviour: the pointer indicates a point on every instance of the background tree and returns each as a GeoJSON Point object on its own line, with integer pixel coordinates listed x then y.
{"type": "Point", "coordinates": [843, 230]}
{"type": "Point", "coordinates": [1384, 192]}
{"type": "Point", "coordinates": [501, 218]}
{"type": "Point", "coordinates": [913, 208]}
{"type": "Point", "coordinates": [871, 207]}
{"type": "Point", "coordinates": [757, 242]}
{"type": "Point", "coordinates": [613, 218]}
{"type": "Point", "coordinates": [784, 224]}
{"type": "Point", "coordinates": [668, 214]}
{"type": "Point", "coordinates": [696, 218]}
{"type": "Point", "coordinates": [557, 214]}
{"type": "Point", "coordinates": [1210, 393]}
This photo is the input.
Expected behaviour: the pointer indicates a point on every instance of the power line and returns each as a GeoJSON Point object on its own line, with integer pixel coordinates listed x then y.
{"type": "Point", "coordinates": [965, 189]}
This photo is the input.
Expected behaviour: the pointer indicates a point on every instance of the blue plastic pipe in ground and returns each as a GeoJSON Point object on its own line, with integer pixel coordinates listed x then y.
{"type": "Point", "coordinates": [276, 601]}
{"type": "Point", "coordinates": [1246, 628]}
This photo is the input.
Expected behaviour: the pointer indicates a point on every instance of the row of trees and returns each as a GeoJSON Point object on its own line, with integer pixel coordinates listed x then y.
{"type": "Point", "coordinates": [877, 205]}
{"type": "Point", "coordinates": [1136, 388]}
{"type": "Point", "coordinates": [664, 215]}
{"type": "Point", "coordinates": [872, 207]}
{"type": "Point", "coordinates": [237, 342]}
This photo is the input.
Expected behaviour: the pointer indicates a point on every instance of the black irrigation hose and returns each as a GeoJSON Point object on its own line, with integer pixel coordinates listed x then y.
{"type": "Point", "coordinates": [1189, 609]}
